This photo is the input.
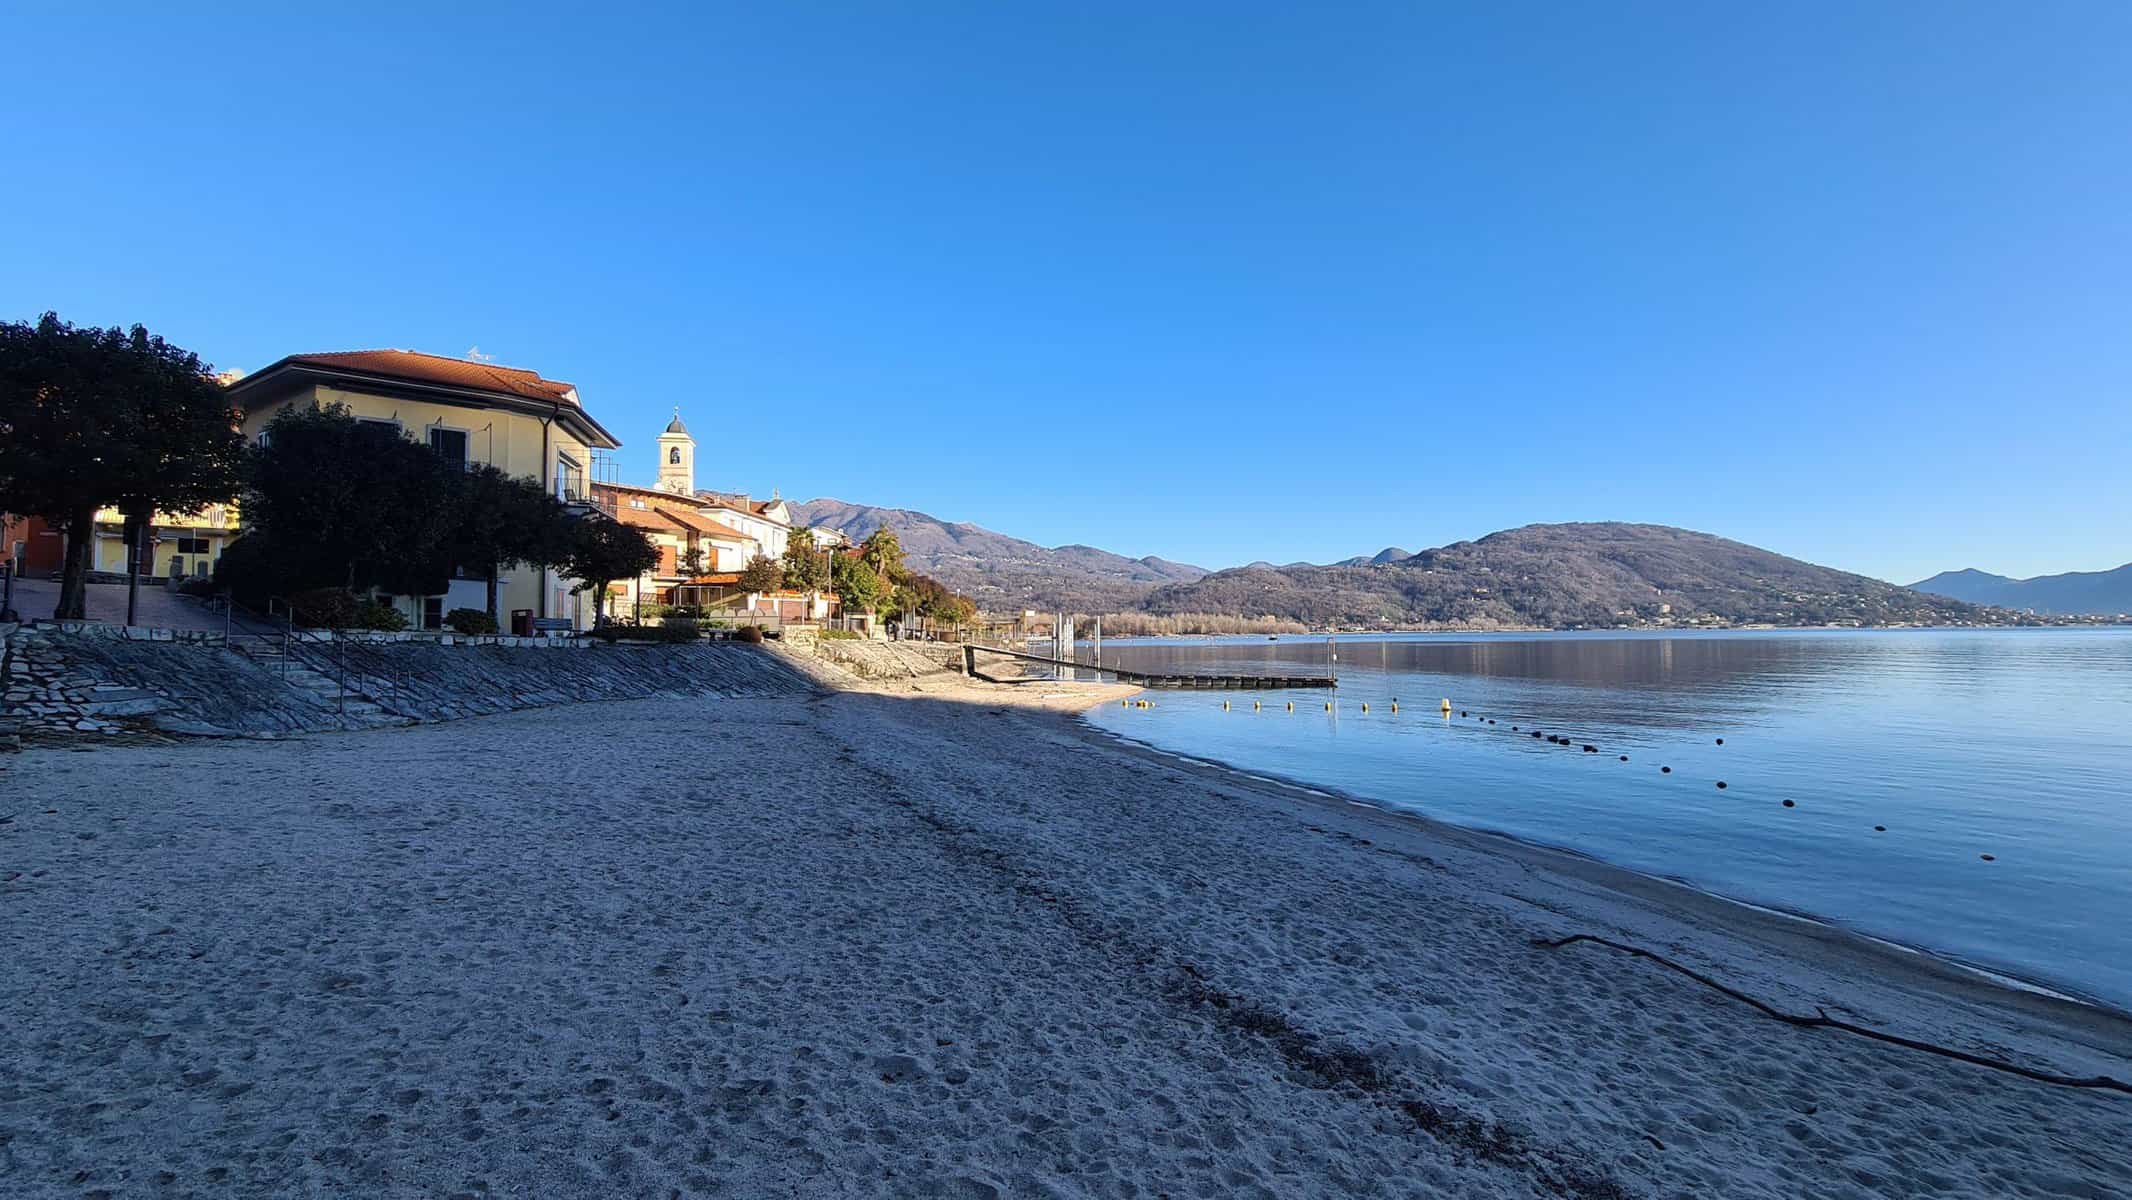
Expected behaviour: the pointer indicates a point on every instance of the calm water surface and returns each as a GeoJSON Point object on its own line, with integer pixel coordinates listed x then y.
{"type": "Point", "coordinates": [2012, 743]}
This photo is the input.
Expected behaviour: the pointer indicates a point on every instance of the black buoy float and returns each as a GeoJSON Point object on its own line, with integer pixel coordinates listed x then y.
{"type": "Point", "coordinates": [1665, 770]}
{"type": "Point", "coordinates": [1624, 758]}
{"type": "Point", "coordinates": [1721, 785]}
{"type": "Point", "coordinates": [1721, 741]}
{"type": "Point", "coordinates": [1789, 804]}
{"type": "Point", "coordinates": [1535, 733]}
{"type": "Point", "coordinates": [1988, 857]}
{"type": "Point", "coordinates": [1880, 829]}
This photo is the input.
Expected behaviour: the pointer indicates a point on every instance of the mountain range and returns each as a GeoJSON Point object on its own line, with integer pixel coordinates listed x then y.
{"type": "Point", "coordinates": [1594, 574]}
{"type": "Point", "coordinates": [1004, 573]}
{"type": "Point", "coordinates": [1552, 576]}
{"type": "Point", "coordinates": [2102, 593]}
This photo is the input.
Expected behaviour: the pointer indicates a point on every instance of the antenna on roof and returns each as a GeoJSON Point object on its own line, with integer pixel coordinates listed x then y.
{"type": "Point", "coordinates": [474, 353]}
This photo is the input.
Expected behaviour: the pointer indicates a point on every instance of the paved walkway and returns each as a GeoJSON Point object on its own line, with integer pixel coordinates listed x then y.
{"type": "Point", "coordinates": [159, 606]}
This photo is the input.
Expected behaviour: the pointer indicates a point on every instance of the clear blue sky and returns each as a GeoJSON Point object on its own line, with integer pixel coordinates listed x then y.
{"type": "Point", "coordinates": [1853, 282]}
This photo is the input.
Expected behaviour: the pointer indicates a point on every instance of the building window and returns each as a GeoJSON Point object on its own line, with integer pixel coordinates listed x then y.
{"type": "Point", "coordinates": [569, 478]}
{"type": "Point", "coordinates": [192, 545]}
{"type": "Point", "coordinates": [432, 612]}
{"type": "Point", "coordinates": [673, 455]}
{"type": "Point", "coordinates": [384, 422]}
{"type": "Point", "coordinates": [451, 443]}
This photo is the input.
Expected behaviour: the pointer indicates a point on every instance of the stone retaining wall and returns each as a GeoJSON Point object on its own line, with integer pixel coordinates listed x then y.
{"type": "Point", "coordinates": [74, 680]}
{"type": "Point", "coordinates": [890, 660]}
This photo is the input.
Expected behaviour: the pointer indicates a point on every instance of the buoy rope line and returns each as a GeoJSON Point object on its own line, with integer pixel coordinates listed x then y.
{"type": "Point", "coordinates": [1821, 1020]}
{"type": "Point", "coordinates": [1555, 739]}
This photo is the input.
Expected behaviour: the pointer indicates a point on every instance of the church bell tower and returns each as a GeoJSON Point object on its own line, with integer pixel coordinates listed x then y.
{"type": "Point", "coordinates": [677, 459]}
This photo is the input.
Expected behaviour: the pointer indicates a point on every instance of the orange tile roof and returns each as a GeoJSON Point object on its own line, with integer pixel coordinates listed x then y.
{"type": "Point", "coordinates": [703, 525]}
{"type": "Point", "coordinates": [675, 516]}
{"type": "Point", "coordinates": [646, 518]}
{"type": "Point", "coordinates": [435, 368]}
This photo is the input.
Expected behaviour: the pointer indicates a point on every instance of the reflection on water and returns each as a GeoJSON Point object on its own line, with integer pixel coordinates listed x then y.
{"type": "Point", "coordinates": [2014, 743]}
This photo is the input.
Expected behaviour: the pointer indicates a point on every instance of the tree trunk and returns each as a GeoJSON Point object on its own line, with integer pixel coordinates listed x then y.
{"type": "Point", "coordinates": [494, 615]}
{"type": "Point", "coordinates": [136, 527]}
{"type": "Point", "coordinates": [74, 574]}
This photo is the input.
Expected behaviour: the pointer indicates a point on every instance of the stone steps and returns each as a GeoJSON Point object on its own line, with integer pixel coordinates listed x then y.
{"type": "Point", "coordinates": [355, 705]}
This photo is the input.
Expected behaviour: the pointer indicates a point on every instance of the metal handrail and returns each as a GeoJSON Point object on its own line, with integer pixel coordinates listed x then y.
{"type": "Point", "coordinates": [288, 633]}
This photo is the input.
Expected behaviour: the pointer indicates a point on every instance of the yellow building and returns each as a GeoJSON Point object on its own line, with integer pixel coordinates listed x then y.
{"type": "Point", "coordinates": [475, 413]}
{"type": "Point", "coordinates": [178, 546]}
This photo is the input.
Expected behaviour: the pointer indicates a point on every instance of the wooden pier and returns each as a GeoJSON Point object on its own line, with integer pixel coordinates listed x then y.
{"type": "Point", "coordinates": [1210, 682]}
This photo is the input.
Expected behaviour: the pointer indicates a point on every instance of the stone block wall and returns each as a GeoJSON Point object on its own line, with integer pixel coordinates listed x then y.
{"type": "Point", "coordinates": [74, 680]}
{"type": "Point", "coordinates": [890, 660]}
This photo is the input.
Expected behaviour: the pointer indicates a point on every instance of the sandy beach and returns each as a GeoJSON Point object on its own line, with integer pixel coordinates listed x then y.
{"type": "Point", "coordinates": [932, 939]}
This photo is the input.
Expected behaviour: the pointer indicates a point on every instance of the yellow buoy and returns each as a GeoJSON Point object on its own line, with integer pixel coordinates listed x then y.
{"type": "Point", "coordinates": [1291, 706]}
{"type": "Point", "coordinates": [1225, 706]}
{"type": "Point", "coordinates": [1365, 708]}
{"type": "Point", "coordinates": [1395, 706]}
{"type": "Point", "coordinates": [1328, 706]}
{"type": "Point", "coordinates": [1447, 704]}
{"type": "Point", "coordinates": [1254, 706]}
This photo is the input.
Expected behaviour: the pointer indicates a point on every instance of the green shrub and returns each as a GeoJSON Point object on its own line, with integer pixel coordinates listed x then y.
{"type": "Point", "coordinates": [324, 608]}
{"type": "Point", "coordinates": [202, 588]}
{"type": "Point", "coordinates": [751, 634]}
{"type": "Point", "coordinates": [840, 635]}
{"type": "Point", "coordinates": [382, 617]}
{"type": "Point", "coordinates": [470, 621]}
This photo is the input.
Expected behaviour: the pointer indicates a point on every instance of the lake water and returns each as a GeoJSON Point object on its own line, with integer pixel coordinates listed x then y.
{"type": "Point", "coordinates": [1961, 743]}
